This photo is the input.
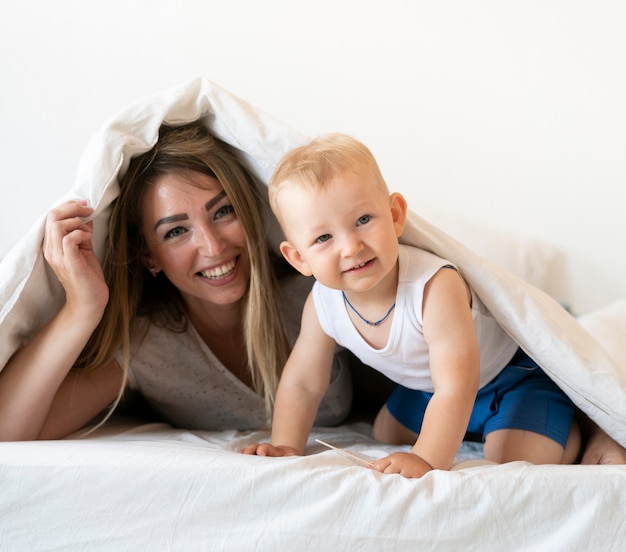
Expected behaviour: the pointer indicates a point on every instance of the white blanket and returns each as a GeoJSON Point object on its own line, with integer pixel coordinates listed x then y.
{"type": "Point", "coordinates": [30, 294]}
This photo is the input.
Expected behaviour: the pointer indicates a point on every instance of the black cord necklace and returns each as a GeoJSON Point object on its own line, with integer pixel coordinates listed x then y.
{"type": "Point", "coordinates": [378, 322]}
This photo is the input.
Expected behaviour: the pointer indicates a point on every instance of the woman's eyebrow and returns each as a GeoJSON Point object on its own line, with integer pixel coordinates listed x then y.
{"type": "Point", "coordinates": [216, 199]}
{"type": "Point", "coordinates": [167, 220]}
{"type": "Point", "coordinates": [175, 218]}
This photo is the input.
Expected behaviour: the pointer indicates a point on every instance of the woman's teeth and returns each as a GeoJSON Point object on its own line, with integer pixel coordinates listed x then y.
{"type": "Point", "coordinates": [220, 271]}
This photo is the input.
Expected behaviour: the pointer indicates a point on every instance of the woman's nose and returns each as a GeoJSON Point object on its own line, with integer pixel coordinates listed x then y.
{"type": "Point", "coordinates": [209, 242]}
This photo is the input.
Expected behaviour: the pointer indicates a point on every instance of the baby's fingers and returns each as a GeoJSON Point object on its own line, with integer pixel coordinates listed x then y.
{"type": "Point", "coordinates": [259, 449]}
{"type": "Point", "coordinates": [382, 465]}
{"type": "Point", "coordinates": [250, 449]}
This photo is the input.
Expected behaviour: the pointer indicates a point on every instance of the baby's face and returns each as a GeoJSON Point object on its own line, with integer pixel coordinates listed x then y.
{"type": "Point", "coordinates": [344, 233]}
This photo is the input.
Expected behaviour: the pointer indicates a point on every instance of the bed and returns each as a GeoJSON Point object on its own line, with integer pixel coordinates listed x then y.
{"type": "Point", "coordinates": [139, 484]}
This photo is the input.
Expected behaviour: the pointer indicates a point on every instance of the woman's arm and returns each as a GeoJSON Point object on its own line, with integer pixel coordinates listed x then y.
{"type": "Point", "coordinates": [39, 397]}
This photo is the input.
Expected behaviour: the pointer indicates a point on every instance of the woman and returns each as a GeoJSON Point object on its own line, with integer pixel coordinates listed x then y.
{"type": "Point", "coordinates": [187, 308]}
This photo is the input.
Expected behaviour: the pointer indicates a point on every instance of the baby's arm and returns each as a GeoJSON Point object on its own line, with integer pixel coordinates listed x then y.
{"type": "Point", "coordinates": [455, 371]}
{"type": "Point", "coordinates": [304, 381]}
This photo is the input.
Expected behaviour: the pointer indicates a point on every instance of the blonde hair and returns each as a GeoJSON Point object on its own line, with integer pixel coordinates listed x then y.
{"type": "Point", "coordinates": [134, 293]}
{"type": "Point", "coordinates": [315, 164]}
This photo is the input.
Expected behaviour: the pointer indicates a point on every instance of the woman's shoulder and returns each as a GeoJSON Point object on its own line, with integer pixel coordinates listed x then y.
{"type": "Point", "coordinates": [294, 291]}
{"type": "Point", "coordinates": [154, 343]}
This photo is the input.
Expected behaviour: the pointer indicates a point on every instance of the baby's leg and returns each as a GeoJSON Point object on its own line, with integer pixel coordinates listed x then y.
{"type": "Point", "coordinates": [399, 421]}
{"type": "Point", "coordinates": [601, 449]}
{"type": "Point", "coordinates": [390, 431]}
{"type": "Point", "coordinates": [528, 417]}
{"type": "Point", "coordinates": [508, 445]}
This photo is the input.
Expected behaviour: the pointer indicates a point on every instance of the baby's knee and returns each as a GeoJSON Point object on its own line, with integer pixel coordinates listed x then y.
{"type": "Point", "coordinates": [380, 427]}
{"type": "Point", "coordinates": [388, 430]}
{"type": "Point", "coordinates": [510, 445]}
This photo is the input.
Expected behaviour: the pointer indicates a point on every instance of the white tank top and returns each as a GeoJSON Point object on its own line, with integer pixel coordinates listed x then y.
{"type": "Point", "coordinates": [404, 359]}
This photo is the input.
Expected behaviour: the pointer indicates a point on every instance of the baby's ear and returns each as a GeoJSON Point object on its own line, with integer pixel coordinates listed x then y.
{"type": "Point", "coordinates": [293, 257]}
{"type": "Point", "coordinates": [398, 212]}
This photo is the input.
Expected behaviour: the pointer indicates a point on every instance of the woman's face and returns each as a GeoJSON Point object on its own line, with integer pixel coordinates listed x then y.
{"type": "Point", "coordinates": [193, 235]}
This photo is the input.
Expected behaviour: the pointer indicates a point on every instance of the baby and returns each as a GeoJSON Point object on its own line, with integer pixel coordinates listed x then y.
{"type": "Point", "coordinates": [407, 313]}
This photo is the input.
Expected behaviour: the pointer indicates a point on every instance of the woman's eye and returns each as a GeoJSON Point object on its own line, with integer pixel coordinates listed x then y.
{"type": "Point", "coordinates": [363, 220]}
{"type": "Point", "coordinates": [323, 238]}
{"type": "Point", "coordinates": [224, 211]}
{"type": "Point", "coordinates": [175, 232]}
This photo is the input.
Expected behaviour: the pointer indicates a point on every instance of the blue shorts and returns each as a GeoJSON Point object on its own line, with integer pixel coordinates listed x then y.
{"type": "Point", "coordinates": [521, 396]}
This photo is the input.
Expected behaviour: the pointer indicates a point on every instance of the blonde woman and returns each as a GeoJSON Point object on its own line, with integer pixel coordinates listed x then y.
{"type": "Point", "coordinates": [187, 309]}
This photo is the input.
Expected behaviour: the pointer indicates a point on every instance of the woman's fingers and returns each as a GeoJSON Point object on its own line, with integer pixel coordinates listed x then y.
{"type": "Point", "coordinates": [65, 220]}
{"type": "Point", "coordinates": [68, 216]}
{"type": "Point", "coordinates": [69, 251]}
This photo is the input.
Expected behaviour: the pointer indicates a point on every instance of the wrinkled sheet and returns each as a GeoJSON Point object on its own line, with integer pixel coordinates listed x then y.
{"type": "Point", "coordinates": [134, 486]}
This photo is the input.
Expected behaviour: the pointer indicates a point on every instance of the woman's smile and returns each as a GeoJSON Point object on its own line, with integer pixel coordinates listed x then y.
{"type": "Point", "coordinates": [222, 275]}
{"type": "Point", "coordinates": [219, 272]}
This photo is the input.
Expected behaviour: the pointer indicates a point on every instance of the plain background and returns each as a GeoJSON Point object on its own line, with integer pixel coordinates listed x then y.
{"type": "Point", "coordinates": [507, 113]}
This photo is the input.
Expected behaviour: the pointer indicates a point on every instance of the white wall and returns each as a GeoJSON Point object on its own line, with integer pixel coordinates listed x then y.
{"type": "Point", "coordinates": [509, 113]}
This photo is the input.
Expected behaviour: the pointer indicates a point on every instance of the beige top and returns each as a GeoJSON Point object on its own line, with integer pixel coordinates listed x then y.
{"type": "Point", "coordinates": [187, 385]}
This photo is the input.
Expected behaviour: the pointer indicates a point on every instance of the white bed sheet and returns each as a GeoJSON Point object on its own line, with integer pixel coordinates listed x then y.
{"type": "Point", "coordinates": [138, 486]}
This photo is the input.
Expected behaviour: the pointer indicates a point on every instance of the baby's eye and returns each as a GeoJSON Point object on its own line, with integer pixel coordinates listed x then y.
{"type": "Point", "coordinates": [363, 220]}
{"type": "Point", "coordinates": [323, 238]}
{"type": "Point", "coordinates": [175, 232]}
{"type": "Point", "coordinates": [224, 211]}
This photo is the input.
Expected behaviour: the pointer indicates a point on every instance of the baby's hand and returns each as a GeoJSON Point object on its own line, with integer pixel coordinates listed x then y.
{"type": "Point", "coordinates": [406, 464]}
{"type": "Point", "coordinates": [267, 449]}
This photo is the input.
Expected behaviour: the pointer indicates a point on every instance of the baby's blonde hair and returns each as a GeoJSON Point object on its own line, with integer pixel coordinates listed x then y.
{"type": "Point", "coordinates": [318, 162]}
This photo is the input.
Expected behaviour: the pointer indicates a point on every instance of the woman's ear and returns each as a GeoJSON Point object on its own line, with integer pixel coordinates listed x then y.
{"type": "Point", "coordinates": [399, 209]}
{"type": "Point", "coordinates": [150, 263]}
{"type": "Point", "coordinates": [293, 257]}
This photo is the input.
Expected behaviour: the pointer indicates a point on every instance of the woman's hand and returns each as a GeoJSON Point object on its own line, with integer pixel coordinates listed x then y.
{"type": "Point", "coordinates": [406, 464]}
{"type": "Point", "coordinates": [69, 251]}
{"type": "Point", "coordinates": [267, 449]}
